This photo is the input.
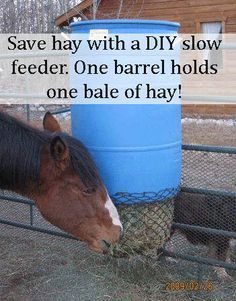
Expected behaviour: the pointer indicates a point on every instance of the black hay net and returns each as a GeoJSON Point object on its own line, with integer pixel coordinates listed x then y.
{"type": "Point", "coordinates": [147, 219]}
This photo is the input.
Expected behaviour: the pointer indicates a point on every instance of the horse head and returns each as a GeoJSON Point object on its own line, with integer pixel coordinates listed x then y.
{"type": "Point", "coordinates": [72, 195]}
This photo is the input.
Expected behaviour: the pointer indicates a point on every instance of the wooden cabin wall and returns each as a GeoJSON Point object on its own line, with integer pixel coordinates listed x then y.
{"type": "Point", "coordinates": [190, 13]}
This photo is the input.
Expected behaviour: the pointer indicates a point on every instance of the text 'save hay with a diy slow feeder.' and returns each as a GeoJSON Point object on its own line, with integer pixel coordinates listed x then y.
{"type": "Point", "coordinates": [137, 149]}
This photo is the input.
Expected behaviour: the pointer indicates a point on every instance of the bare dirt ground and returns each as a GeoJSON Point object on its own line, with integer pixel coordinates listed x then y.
{"type": "Point", "coordinates": [209, 131]}
{"type": "Point", "coordinates": [39, 267]}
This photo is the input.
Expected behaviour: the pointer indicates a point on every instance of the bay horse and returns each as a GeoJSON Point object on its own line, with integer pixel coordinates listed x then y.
{"type": "Point", "coordinates": [56, 171]}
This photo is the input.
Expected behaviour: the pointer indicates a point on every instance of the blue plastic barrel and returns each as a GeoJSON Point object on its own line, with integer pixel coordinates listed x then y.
{"type": "Point", "coordinates": [137, 148]}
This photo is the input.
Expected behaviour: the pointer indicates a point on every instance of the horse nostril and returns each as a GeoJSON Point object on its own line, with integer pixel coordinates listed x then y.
{"type": "Point", "coordinates": [106, 244]}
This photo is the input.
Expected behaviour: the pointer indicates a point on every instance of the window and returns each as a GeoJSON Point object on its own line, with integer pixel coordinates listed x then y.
{"type": "Point", "coordinates": [213, 30]}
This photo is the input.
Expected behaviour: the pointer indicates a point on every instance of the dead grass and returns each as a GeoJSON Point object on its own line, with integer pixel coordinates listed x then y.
{"type": "Point", "coordinates": [44, 268]}
{"type": "Point", "coordinates": [209, 133]}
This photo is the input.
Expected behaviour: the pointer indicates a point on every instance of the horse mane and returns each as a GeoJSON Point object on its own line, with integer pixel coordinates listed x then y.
{"type": "Point", "coordinates": [21, 147]}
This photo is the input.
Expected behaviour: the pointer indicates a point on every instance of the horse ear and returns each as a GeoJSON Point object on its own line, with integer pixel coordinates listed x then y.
{"type": "Point", "coordinates": [50, 123]}
{"type": "Point", "coordinates": [59, 152]}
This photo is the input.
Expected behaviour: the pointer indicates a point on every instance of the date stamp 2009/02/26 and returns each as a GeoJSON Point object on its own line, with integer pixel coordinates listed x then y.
{"type": "Point", "coordinates": [189, 286]}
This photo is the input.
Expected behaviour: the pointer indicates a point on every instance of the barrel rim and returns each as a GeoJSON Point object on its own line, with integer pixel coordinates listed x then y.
{"type": "Point", "coordinates": [126, 21]}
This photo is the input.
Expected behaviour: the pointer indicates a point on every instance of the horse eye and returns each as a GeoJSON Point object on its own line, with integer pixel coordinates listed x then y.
{"type": "Point", "coordinates": [89, 190]}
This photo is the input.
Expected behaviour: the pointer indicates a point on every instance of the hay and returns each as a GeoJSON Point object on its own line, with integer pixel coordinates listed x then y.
{"type": "Point", "coordinates": [146, 227]}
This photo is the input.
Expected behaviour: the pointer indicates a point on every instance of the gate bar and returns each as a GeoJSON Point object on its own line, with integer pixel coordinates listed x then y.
{"type": "Point", "coordinates": [217, 232]}
{"type": "Point", "coordinates": [200, 259]}
{"type": "Point", "coordinates": [209, 148]}
{"type": "Point", "coordinates": [37, 229]}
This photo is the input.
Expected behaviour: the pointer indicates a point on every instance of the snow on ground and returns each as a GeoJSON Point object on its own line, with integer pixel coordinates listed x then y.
{"type": "Point", "coordinates": [224, 122]}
